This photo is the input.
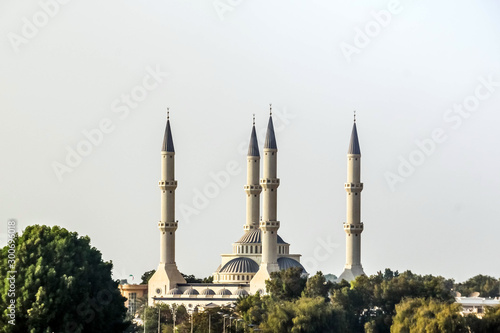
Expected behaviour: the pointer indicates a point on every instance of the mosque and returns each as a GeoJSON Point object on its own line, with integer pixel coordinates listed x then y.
{"type": "Point", "coordinates": [260, 251]}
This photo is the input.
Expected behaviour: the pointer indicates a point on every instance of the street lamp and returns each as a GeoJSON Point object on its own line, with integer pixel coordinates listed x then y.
{"type": "Point", "coordinates": [224, 319]}
{"type": "Point", "coordinates": [174, 310]}
{"type": "Point", "coordinates": [159, 311]}
{"type": "Point", "coordinates": [226, 316]}
{"type": "Point", "coordinates": [230, 323]}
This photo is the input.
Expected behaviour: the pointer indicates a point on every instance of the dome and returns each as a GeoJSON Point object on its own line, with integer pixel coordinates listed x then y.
{"type": "Point", "coordinates": [174, 291]}
{"type": "Point", "coordinates": [241, 292]}
{"type": "Point", "coordinates": [285, 263]}
{"type": "Point", "coordinates": [240, 265]}
{"type": "Point", "coordinates": [253, 237]}
{"type": "Point", "coordinates": [191, 292]}
{"type": "Point", "coordinates": [207, 292]}
{"type": "Point", "coordinates": [224, 292]}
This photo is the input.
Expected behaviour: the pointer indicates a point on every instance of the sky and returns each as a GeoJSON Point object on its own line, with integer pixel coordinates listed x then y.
{"type": "Point", "coordinates": [84, 88]}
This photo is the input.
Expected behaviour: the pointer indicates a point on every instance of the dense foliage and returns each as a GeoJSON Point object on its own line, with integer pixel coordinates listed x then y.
{"type": "Point", "coordinates": [61, 285]}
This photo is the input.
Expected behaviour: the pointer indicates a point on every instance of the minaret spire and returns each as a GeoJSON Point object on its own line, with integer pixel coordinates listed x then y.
{"type": "Point", "coordinates": [353, 226]}
{"type": "Point", "coordinates": [167, 276]}
{"type": "Point", "coordinates": [269, 224]}
{"type": "Point", "coordinates": [253, 188]}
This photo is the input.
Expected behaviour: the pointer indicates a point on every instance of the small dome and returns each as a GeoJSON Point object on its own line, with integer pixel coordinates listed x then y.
{"type": "Point", "coordinates": [261, 291]}
{"type": "Point", "coordinates": [207, 291]}
{"type": "Point", "coordinates": [224, 292]}
{"type": "Point", "coordinates": [241, 292]}
{"type": "Point", "coordinates": [240, 265]}
{"type": "Point", "coordinates": [174, 291]}
{"type": "Point", "coordinates": [253, 237]}
{"type": "Point", "coordinates": [285, 263]}
{"type": "Point", "coordinates": [191, 292]}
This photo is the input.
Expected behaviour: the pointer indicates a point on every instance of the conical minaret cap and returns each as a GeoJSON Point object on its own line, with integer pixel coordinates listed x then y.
{"type": "Point", "coordinates": [253, 148]}
{"type": "Point", "coordinates": [270, 137]}
{"type": "Point", "coordinates": [354, 145]}
{"type": "Point", "coordinates": [168, 143]}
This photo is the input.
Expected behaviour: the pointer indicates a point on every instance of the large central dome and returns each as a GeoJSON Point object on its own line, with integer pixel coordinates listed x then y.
{"type": "Point", "coordinates": [254, 237]}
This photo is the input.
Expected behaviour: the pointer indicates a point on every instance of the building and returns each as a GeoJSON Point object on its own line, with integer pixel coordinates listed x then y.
{"type": "Point", "coordinates": [476, 305]}
{"type": "Point", "coordinates": [133, 292]}
{"type": "Point", "coordinates": [260, 251]}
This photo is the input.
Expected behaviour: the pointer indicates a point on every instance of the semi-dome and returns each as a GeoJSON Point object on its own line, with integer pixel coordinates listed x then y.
{"type": "Point", "coordinates": [224, 292]}
{"type": "Point", "coordinates": [241, 292]}
{"type": "Point", "coordinates": [191, 292]}
{"type": "Point", "coordinates": [207, 291]}
{"type": "Point", "coordinates": [285, 263]}
{"type": "Point", "coordinates": [253, 237]}
{"type": "Point", "coordinates": [174, 291]}
{"type": "Point", "coordinates": [240, 265]}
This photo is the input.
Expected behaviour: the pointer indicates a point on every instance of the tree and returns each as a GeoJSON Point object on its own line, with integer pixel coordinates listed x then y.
{"type": "Point", "coordinates": [428, 316]}
{"type": "Point", "coordinates": [370, 302]}
{"type": "Point", "coordinates": [287, 284]}
{"type": "Point", "coordinates": [61, 285]}
{"type": "Point", "coordinates": [317, 286]}
{"type": "Point", "coordinates": [487, 286]}
{"type": "Point", "coordinates": [147, 275]}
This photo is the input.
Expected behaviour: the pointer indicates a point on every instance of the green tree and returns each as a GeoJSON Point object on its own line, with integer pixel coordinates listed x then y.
{"type": "Point", "coordinates": [317, 286]}
{"type": "Point", "coordinates": [370, 302]}
{"type": "Point", "coordinates": [487, 286]}
{"type": "Point", "coordinates": [147, 275]}
{"type": "Point", "coordinates": [61, 285]}
{"type": "Point", "coordinates": [428, 316]}
{"type": "Point", "coordinates": [287, 284]}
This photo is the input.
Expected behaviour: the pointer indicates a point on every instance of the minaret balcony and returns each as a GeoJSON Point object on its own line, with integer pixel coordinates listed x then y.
{"type": "Point", "coordinates": [253, 189]}
{"type": "Point", "coordinates": [353, 228]}
{"type": "Point", "coordinates": [270, 182]}
{"type": "Point", "coordinates": [167, 185]}
{"type": "Point", "coordinates": [269, 225]}
{"type": "Point", "coordinates": [170, 226]}
{"type": "Point", "coordinates": [249, 227]}
{"type": "Point", "coordinates": [353, 187]}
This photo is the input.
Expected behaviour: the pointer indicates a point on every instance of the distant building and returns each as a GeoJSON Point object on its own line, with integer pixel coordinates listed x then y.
{"type": "Point", "coordinates": [476, 305]}
{"type": "Point", "coordinates": [133, 292]}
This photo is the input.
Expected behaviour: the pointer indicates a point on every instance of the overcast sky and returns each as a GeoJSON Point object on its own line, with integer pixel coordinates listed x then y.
{"type": "Point", "coordinates": [424, 77]}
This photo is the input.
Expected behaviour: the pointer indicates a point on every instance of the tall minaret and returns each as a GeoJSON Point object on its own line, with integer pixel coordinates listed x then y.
{"type": "Point", "coordinates": [353, 227]}
{"type": "Point", "coordinates": [167, 276]}
{"type": "Point", "coordinates": [253, 188]}
{"type": "Point", "coordinates": [268, 225]}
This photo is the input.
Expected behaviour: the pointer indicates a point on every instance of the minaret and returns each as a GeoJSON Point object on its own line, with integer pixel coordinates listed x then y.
{"type": "Point", "coordinates": [167, 276]}
{"type": "Point", "coordinates": [253, 188]}
{"type": "Point", "coordinates": [269, 225]}
{"type": "Point", "coordinates": [353, 227]}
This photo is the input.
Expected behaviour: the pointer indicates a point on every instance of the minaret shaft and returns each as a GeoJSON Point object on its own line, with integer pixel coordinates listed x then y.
{"type": "Point", "coordinates": [253, 190]}
{"type": "Point", "coordinates": [167, 276]}
{"type": "Point", "coordinates": [269, 224]}
{"type": "Point", "coordinates": [353, 226]}
{"type": "Point", "coordinates": [167, 224]}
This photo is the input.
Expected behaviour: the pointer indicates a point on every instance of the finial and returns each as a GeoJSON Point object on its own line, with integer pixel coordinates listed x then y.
{"type": "Point", "coordinates": [168, 113]}
{"type": "Point", "coordinates": [354, 115]}
{"type": "Point", "coordinates": [254, 119]}
{"type": "Point", "coordinates": [270, 109]}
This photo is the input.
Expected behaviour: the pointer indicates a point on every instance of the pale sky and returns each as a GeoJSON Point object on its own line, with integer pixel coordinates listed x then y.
{"type": "Point", "coordinates": [414, 71]}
